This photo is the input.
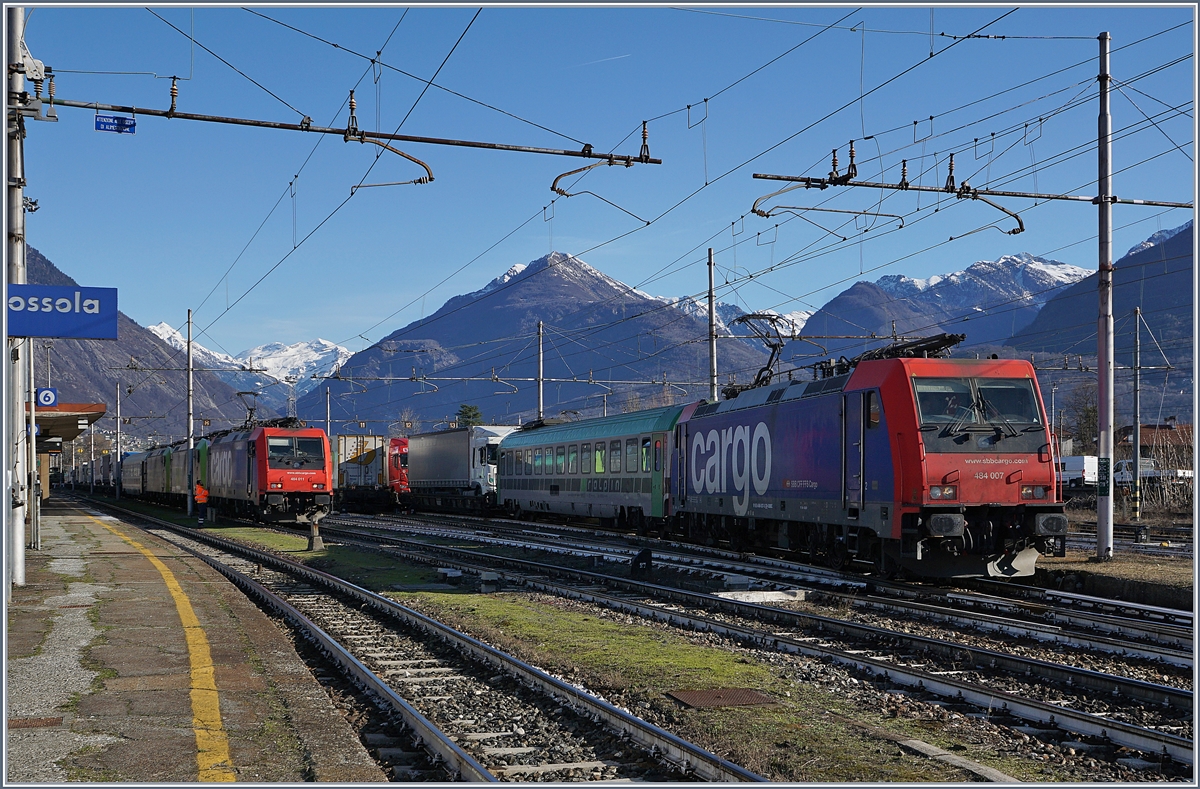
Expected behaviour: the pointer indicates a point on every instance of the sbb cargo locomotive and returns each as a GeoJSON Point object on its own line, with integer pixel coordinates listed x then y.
{"type": "Point", "coordinates": [942, 467]}
{"type": "Point", "coordinates": [269, 472]}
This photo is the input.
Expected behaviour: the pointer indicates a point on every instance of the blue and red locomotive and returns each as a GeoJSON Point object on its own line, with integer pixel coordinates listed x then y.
{"type": "Point", "coordinates": [942, 467]}
{"type": "Point", "coordinates": [270, 472]}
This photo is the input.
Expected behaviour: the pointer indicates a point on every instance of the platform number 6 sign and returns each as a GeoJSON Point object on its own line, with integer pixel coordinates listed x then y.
{"type": "Point", "coordinates": [47, 398]}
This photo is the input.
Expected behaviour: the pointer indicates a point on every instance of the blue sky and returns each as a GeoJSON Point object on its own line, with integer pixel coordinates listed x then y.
{"type": "Point", "coordinates": [186, 214]}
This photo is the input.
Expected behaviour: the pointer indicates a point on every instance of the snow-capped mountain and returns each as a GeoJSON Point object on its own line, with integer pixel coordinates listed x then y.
{"type": "Point", "coordinates": [264, 368]}
{"type": "Point", "coordinates": [1158, 238]}
{"type": "Point", "coordinates": [201, 356]}
{"type": "Point", "coordinates": [301, 360]}
{"type": "Point", "coordinates": [1012, 279]}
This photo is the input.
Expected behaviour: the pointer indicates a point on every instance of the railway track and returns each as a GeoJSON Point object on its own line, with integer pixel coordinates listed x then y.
{"type": "Point", "coordinates": [481, 713]}
{"type": "Point", "coordinates": [1167, 638]}
{"type": "Point", "coordinates": [1151, 718]}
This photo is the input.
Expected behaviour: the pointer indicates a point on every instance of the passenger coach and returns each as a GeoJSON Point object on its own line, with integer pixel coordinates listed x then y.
{"type": "Point", "coordinates": [613, 468]}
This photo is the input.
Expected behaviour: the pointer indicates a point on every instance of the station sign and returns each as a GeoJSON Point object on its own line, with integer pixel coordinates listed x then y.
{"type": "Point", "coordinates": [47, 397]}
{"type": "Point", "coordinates": [116, 123]}
{"type": "Point", "coordinates": [62, 311]}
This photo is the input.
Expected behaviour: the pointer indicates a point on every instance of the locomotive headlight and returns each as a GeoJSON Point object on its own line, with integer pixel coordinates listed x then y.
{"type": "Point", "coordinates": [935, 492]}
{"type": "Point", "coordinates": [1033, 491]}
{"type": "Point", "coordinates": [949, 491]}
{"type": "Point", "coordinates": [277, 484]}
{"type": "Point", "coordinates": [318, 486]}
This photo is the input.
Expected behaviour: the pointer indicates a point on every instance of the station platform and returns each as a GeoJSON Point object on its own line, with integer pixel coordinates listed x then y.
{"type": "Point", "coordinates": [129, 660]}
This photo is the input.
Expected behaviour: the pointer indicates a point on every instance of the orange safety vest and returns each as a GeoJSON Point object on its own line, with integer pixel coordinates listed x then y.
{"type": "Point", "coordinates": [201, 494]}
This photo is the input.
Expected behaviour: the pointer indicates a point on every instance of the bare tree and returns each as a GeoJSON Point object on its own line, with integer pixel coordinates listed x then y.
{"type": "Point", "coordinates": [1083, 417]}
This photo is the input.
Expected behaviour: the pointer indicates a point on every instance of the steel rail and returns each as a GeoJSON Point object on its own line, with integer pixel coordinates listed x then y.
{"type": "Point", "coordinates": [689, 758]}
{"type": "Point", "coordinates": [1041, 632]}
{"type": "Point", "coordinates": [1145, 740]}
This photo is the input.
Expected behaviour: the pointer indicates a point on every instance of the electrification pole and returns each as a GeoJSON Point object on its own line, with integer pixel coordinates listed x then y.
{"type": "Point", "coordinates": [1135, 492]}
{"type": "Point", "coordinates": [191, 470]}
{"type": "Point", "coordinates": [327, 412]}
{"type": "Point", "coordinates": [541, 373]}
{"type": "Point", "coordinates": [35, 502]}
{"type": "Point", "coordinates": [1104, 328]}
{"type": "Point", "coordinates": [712, 332]}
{"type": "Point", "coordinates": [14, 455]}
{"type": "Point", "coordinates": [117, 463]}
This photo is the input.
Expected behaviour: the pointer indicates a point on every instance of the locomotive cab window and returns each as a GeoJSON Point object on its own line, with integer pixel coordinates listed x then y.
{"type": "Point", "coordinates": [871, 412]}
{"type": "Point", "coordinates": [979, 414]}
{"type": "Point", "coordinates": [294, 452]}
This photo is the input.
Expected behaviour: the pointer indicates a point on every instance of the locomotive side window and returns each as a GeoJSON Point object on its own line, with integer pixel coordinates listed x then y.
{"type": "Point", "coordinates": [560, 460]}
{"type": "Point", "coordinates": [585, 452]}
{"type": "Point", "coordinates": [872, 410]}
{"type": "Point", "coordinates": [537, 461]}
{"type": "Point", "coordinates": [572, 459]}
{"type": "Point", "coordinates": [614, 457]}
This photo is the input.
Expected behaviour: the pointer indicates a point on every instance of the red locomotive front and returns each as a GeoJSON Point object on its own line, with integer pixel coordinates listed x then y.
{"type": "Point", "coordinates": [398, 468]}
{"type": "Point", "coordinates": [976, 466]}
{"type": "Point", "coordinates": [292, 473]}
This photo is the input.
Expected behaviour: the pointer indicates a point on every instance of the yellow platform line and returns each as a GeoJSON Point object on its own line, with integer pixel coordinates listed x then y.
{"type": "Point", "coordinates": [212, 744]}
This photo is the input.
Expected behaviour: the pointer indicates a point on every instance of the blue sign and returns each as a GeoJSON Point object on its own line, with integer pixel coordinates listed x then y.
{"type": "Point", "coordinates": [47, 397]}
{"type": "Point", "coordinates": [116, 123]}
{"type": "Point", "coordinates": [56, 311]}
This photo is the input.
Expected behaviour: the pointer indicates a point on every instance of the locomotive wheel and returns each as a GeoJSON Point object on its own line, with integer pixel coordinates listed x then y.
{"type": "Point", "coordinates": [812, 544]}
{"type": "Point", "coordinates": [837, 555]}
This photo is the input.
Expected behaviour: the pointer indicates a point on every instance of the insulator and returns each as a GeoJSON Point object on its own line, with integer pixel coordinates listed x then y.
{"type": "Point", "coordinates": [174, 94]}
{"type": "Point", "coordinates": [834, 172]}
{"type": "Point", "coordinates": [950, 177]}
{"type": "Point", "coordinates": [353, 103]}
{"type": "Point", "coordinates": [37, 88]}
{"type": "Point", "coordinates": [852, 168]}
{"type": "Point", "coordinates": [645, 152]}
{"type": "Point", "coordinates": [51, 86]}
{"type": "Point", "coordinates": [904, 174]}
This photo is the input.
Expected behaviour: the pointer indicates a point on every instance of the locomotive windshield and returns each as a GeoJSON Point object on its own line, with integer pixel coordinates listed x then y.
{"type": "Point", "coordinates": [979, 414]}
{"type": "Point", "coordinates": [292, 452]}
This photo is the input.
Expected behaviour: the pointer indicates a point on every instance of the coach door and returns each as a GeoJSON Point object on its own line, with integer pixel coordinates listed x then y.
{"type": "Point", "coordinates": [852, 449]}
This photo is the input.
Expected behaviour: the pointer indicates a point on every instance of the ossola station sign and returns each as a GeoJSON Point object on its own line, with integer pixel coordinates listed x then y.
{"type": "Point", "coordinates": [57, 311]}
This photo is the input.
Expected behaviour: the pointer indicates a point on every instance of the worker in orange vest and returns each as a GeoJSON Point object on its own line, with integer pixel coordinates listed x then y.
{"type": "Point", "coordinates": [201, 503]}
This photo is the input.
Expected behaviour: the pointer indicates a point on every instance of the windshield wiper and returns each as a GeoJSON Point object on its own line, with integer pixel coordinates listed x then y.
{"type": "Point", "coordinates": [983, 409]}
{"type": "Point", "coordinates": [959, 424]}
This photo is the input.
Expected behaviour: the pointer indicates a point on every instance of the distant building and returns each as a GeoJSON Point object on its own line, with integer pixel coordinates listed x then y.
{"type": "Point", "coordinates": [1169, 443]}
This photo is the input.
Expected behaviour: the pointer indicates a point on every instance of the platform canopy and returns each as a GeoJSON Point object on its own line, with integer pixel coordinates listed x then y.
{"type": "Point", "coordinates": [64, 422]}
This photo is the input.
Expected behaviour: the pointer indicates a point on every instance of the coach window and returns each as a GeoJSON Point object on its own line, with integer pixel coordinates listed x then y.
{"type": "Point", "coordinates": [614, 457]}
{"type": "Point", "coordinates": [537, 461]}
{"type": "Point", "coordinates": [572, 459]}
{"type": "Point", "coordinates": [872, 410]}
{"type": "Point", "coordinates": [549, 460]}
{"type": "Point", "coordinates": [658, 454]}
{"type": "Point", "coordinates": [599, 457]}
{"type": "Point", "coordinates": [645, 453]}
{"type": "Point", "coordinates": [518, 466]}
{"type": "Point", "coordinates": [560, 460]}
{"type": "Point", "coordinates": [585, 455]}
{"type": "Point", "coordinates": [631, 455]}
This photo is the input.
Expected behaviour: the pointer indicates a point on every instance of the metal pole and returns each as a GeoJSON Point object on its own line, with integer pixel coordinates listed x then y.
{"type": "Point", "coordinates": [327, 431]}
{"type": "Point", "coordinates": [1104, 328]}
{"type": "Point", "coordinates": [712, 331]}
{"type": "Point", "coordinates": [92, 460]}
{"type": "Point", "coordinates": [14, 455]}
{"type": "Point", "coordinates": [541, 372]}
{"type": "Point", "coordinates": [34, 476]}
{"type": "Point", "coordinates": [117, 462]}
{"type": "Point", "coordinates": [191, 471]}
{"type": "Point", "coordinates": [1135, 493]}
